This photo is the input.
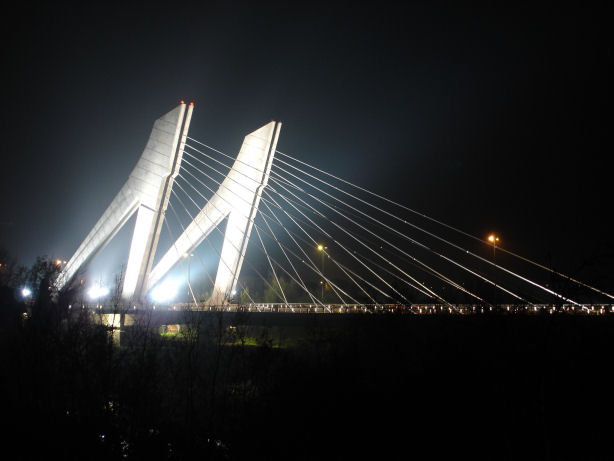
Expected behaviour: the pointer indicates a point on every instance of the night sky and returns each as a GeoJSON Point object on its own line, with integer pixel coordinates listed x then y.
{"type": "Point", "coordinates": [487, 119]}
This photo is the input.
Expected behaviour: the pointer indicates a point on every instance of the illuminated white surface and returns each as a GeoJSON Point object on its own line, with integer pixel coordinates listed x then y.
{"type": "Point", "coordinates": [146, 190]}
{"type": "Point", "coordinates": [237, 199]}
{"type": "Point", "coordinates": [165, 291]}
{"type": "Point", "coordinates": [97, 292]}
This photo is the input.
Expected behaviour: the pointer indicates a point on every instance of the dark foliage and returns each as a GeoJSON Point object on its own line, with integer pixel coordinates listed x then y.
{"type": "Point", "coordinates": [275, 386]}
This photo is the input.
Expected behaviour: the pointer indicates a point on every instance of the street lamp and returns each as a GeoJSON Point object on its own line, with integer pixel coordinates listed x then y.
{"type": "Point", "coordinates": [321, 249]}
{"type": "Point", "coordinates": [492, 238]}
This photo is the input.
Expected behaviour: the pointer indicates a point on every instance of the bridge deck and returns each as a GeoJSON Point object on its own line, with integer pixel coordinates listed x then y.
{"type": "Point", "coordinates": [417, 309]}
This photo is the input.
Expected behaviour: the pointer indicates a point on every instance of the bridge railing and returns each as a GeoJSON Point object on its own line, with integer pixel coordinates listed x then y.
{"type": "Point", "coordinates": [417, 309]}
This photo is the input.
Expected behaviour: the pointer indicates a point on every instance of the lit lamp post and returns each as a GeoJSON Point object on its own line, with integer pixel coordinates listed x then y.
{"type": "Point", "coordinates": [492, 238]}
{"type": "Point", "coordinates": [321, 249]}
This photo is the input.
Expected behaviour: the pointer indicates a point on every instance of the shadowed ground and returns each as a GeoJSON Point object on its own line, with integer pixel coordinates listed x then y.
{"type": "Point", "coordinates": [275, 386]}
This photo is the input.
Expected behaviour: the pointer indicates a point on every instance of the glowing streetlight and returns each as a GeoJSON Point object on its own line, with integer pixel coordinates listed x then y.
{"type": "Point", "coordinates": [492, 238]}
{"type": "Point", "coordinates": [26, 292]}
{"type": "Point", "coordinates": [321, 249]}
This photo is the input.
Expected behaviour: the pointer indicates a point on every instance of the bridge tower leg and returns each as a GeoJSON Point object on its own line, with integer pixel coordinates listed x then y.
{"type": "Point", "coordinates": [236, 200]}
{"type": "Point", "coordinates": [146, 191]}
{"type": "Point", "coordinates": [149, 219]}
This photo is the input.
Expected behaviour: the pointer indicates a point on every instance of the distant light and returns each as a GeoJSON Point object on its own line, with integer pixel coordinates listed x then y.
{"type": "Point", "coordinates": [25, 292]}
{"type": "Point", "coordinates": [165, 291]}
{"type": "Point", "coordinates": [234, 292]}
{"type": "Point", "coordinates": [97, 292]}
{"type": "Point", "coordinates": [320, 247]}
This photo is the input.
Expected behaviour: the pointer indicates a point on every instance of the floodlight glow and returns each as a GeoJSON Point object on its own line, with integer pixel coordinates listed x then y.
{"type": "Point", "coordinates": [97, 292]}
{"type": "Point", "coordinates": [25, 292]}
{"type": "Point", "coordinates": [165, 291]}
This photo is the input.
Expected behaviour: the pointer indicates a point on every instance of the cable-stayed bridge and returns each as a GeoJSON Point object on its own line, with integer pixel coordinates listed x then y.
{"type": "Point", "coordinates": [266, 231]}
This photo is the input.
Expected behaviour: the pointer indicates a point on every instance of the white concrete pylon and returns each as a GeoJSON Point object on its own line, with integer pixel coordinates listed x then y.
{"type": "Point", "coordinates": [146, 190]}
{"type": "Point", "coordinates": [237, 199]}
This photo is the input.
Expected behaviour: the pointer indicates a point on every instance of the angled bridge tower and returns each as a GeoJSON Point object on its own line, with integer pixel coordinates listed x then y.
{"type": "Point", "coordinates": [236, 200]}
{"type": "Point", "coordinates": [146, 192]}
